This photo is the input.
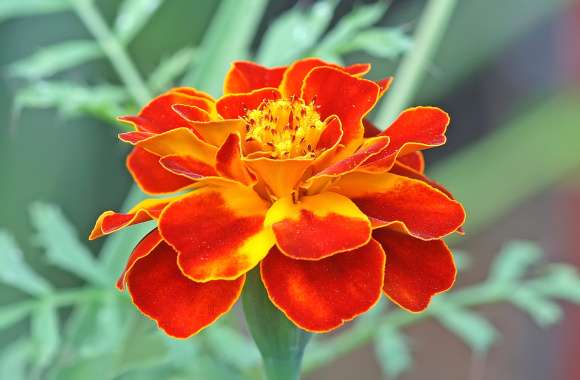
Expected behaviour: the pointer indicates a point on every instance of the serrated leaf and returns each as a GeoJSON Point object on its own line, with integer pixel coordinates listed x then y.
{"type": "Point", "coordinates": [63, 248]}
{"type": "Point", "coordinates": [170, 69]}
{"type": "Point", "coordinates": [229, 346]}
{"type": "Point", "coordinates": [18, 8]}
{"type": "Point", "coordinates": [45, 334]}
{"type": "Point", "coordinates": [14, 359]}
{"type": "Point", "coordinates": [474, 330]}
{"type": "Point", "coordinates": [14, 271]}
{"type": "Point", "coordinates": [542, 310]}
{"type": "Point", "coordinates": [293, 33]}
{"type": "Point", "coordinates": [514, 260]}
{"type": "Point", "coordinates": [133, 16]}
{"type": "Point", "coordinates": [386, 43]}
{"type": "Point", "coordinates": [349, 26]}
{"type": "Point", "coordinates": [393, 352]}
{"type": "Point", "coordinates": [53, 59]}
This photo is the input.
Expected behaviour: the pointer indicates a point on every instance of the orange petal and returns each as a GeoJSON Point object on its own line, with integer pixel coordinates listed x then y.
{"type": "Point", "coordinates": [317, 226]}
{"type": "Point", "coordinates": [403, 203]}
{"type": "Point", "coordinates": [416, 270]}
{"type": "Point", "coordinates": [280, 176]}
{"type": "Point", "coordinates": [216, 132]}
{"type": "Point", "coordinates": [110, 221]}
{"type": "Point", "coordinates": [337, 93]}
{"type": "Point", "coordinates": [180, 306]}
{"type": "Point", "coordinates": [142, 249]}
{"type": "Point", "coordinates": [319, 296]}
{"type": "Point", "coordinates": [193, 92]}
{"type": "Point", "coordinates": [293, 79]}
{"type": "Point", "coordinates": [217, 231]}
{"type": "Point", "coordinates": [234, 106]}
{"type": "Point", "coordinates": [414, 160]}
{"type": "Point", "coordinates": [151, 177]}
{"type": "Point", "coordinates": [370, 148]}
{"type": "Point", "coordinates": [187, 166]}
{"type": "Point", "coordinates": [245, 76]}
{"type": "Point", "coordinates": [159, 116]}
{"type": "Point", "coordinates": [191, 113]}
{"type": "Point", "coordinates": [229, 162]}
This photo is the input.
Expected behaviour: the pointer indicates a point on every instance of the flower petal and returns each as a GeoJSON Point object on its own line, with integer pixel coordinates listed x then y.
{"type": "Point", "coordinates": [384, 84]}
{"type": "Point", "coordinates": [370, 148]}
{"type": "Point", "coordinates": [216, 132]}
{"type": "Point", "coordinates": [294, 76]}
{"type": "Point", "coordinates": [317, 226]}
{"type": "Point", "coordinates": [229, 162]}
{"type": "Point", "coordinates": [217, 231]}
{"type": "Point", "coordinates": [403, 203]}
{"type": "Point", "coordinates": [414, 160]}
{"type": "Point", "coordinates": [337, 93]}
{"type": "Point", "coordinates": [281, 177]}
{"type": "Point", "coordinates": [142, 249]}
{"type": "Point", "coordinates": [234, 106]}
{"type": "Point", "coordinates": [328, 144]}
{"type": "Point", "coordinates": [245, 76]}
{"type": "Point", "coordinates": [187, 166]}
{"type": "Point", "coordinates": [151, 177]}
{"type": "Point", "coordinates": [180, 307]}
{"type": "Point", "coordinates": [319, 296]}
{"type": "Point", "coordinates": [191, 113]}
{"type": "Point", "coordinates": [110, 221]}
{"type": "Point", "coordinates": [416, 270]}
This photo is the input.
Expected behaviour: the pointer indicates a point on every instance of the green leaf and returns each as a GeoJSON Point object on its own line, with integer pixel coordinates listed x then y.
{"type": "Point", "coordinates": [53, 59]}
{"type": "Point", "coordinates": [45, 334]}
{"type": "Point", "coordinates": [14, 271]}
{"type": "Point", "coordinates": [10, 314]}
{"type": "Point", "coordinates": [514, 260]}
{"type": "Point", "coordinates": [63, 249]}
{"type": "Point", "coordinates": [462, 260]}
{"type": "Point", "coordinates": [543, 311]}
{"type": "Point", "coordinates": [393, 352]}
{"type": "Point", "coordinates": [18, 8]}
{"type": "Point", "coordinates": [170, 69]}
{"type": "Point", "coordinates": [133, 16]}
{"type": "Point", "coordinates": [350, 25]}
{"type": "Point", "coordinates": [14, 359]}
{"type": "Point", "coordinates": [229, 346]}
{"type": "Point", "coordinates": [386, 43]}
{"type": "Point", "coordinates": [474, 330]}
{"type": "Point", "coordinates": [561, 281]}
{"type": "Point", "coordinates": [294, 32]}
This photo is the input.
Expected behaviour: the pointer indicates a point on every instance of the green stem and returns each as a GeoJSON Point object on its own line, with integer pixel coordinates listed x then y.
{"type": "Point", "coordinates": [279, 341]}
{"type": "Point", "coordinates": [432, 26]}
{"type": "Point", "coordinates": [93, 20]}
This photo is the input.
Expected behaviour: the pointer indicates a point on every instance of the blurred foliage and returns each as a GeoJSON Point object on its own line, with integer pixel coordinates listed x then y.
{"type": "Point", "coordinates": [92, 331]}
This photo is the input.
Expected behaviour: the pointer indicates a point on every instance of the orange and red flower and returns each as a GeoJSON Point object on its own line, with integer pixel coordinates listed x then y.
{"type": "Point", "coordinates": [284, 172]}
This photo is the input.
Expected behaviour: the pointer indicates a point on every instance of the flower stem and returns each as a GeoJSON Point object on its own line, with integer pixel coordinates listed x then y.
{"type": "Point", "coordinates": [432, 26]}
{"type": "Point", "coordinates": [279, 341]}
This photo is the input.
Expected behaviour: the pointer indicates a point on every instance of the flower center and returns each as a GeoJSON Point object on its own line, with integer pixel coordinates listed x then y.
{"type": "Point", "coordinates": [285, 128]}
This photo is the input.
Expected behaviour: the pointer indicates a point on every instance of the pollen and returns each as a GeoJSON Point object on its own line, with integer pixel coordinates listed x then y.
{"type": "Point", "coordinates": [285, 128]}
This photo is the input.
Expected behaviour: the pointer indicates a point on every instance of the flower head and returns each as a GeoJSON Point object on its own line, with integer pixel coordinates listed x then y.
{"type": "Point", "coordinates": [284, 172]}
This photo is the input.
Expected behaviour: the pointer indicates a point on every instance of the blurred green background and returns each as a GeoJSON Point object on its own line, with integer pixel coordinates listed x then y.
{"type": "Point", "coordinates": [507, 71]}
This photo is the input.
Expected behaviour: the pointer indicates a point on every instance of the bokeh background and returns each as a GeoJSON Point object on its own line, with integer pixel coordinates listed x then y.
{"type": "Point", "coordinates": [508, 72]}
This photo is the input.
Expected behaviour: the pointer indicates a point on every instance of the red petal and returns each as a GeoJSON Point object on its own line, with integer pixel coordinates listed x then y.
{"type": "Point", "coordinates": [229, 162]}
{"type": "Point", "coordinates": [414, 160]}
{"type": "Point", "coordinates": [416, 270]}
{"type": "Point", "coordinates": [180, 306]}
{"type": "Point", "coordinates": [187, 166]}
{"type": "Point", "coordinates": [337, 93]}
{"type": "Point", "coordinates": [142, 249]}
{"type": "Point", "coordinates": [371, 130]}
{"type": "Point", "coordinates": [408, 204]}
{"type": "Point", "coordinates": [320, 296]}
{"type": "Point", "coordinates": [246, 76]}
{"type": "Point", "coordinates": [234, 106]}
{"type": "Point", "coordinates": [317, 226]}
{"type": "Point", "coordinates": [369, 149]}
{"type": "Point", "coordinates": [151, 177]}
{"type": "Point", "coordinates": [218, 232]}
{"type": "Point", "coordinates": [384, 84]}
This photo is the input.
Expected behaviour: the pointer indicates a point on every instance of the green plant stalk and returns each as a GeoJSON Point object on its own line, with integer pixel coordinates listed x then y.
{"type": "Point", "coordinates": [113, 49]}
{"type": "Point", "coordinates": [280, 342]}
{"type": "Point", "coordinates": [432, 26]}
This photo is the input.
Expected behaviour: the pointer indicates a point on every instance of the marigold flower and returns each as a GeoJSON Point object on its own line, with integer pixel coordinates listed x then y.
{"type": "Point", "coordinates": [284, 172]}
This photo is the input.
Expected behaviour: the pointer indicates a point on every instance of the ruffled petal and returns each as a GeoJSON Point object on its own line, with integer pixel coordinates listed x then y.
{"type": "Point", "coordinates": [281, 177]}
{"type": "Point", "coordinates": [234, 106]}
{"type": "Point", "coordinates": [151, 177]}
{"type": "Point", "coordinates": [318, 226]}
{"type": "Point", "coordinates": [245, 76]}
{"type": "Point", "coordinates": [403, 203]}
{"type": "Point", "coordinates": [337, 93]}
{"type": "Point", "coordinates": [218, 232]}
{"type": "Point", "coordinates": [370, 148]}
{"type": "Point", "coordinates": [216, 132]}
{"type": "Point", "coordinates": [294, 76]}
{"type": "Point", "coordinates": [319, 296]}
{"type": "Point", "coordinates": [416, 270]}
{"type": "Point", "coordinates": [180, 307]}
{"type": "Point", "coordinates": [414, 160]}
{"type": "Point", "coordinates": [142, 249]}
{"type": "Point", "coordinates": [229, 162]}
{"type": "Point", "coordinates": [187, 166]}
{"type": "Point", "coordinates": [110, 221]}
{"type": "Point", "coordinates": [328, 144]}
